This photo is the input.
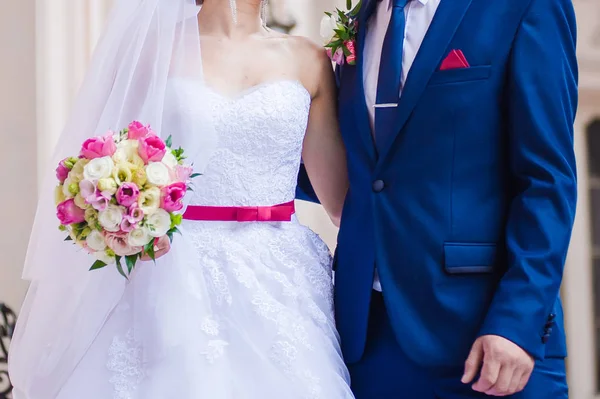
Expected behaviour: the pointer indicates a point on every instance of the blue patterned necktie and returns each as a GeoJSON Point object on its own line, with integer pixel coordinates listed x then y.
{"type": "Point", "coordinates": [390, 73]}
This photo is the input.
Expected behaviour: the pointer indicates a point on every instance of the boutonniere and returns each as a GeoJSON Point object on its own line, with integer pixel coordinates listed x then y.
{"type": "Point", "coordinates": [339, 31]}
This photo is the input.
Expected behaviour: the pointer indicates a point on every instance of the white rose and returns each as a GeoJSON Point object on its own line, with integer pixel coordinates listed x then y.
{"type": "Point", "coordinates": [328, 24]}
{"type": "Point", "coordinates": [104, 257]}
{"type": "Point", "coordinates": [95, 240]}
{"type": "Point", "coordinates": [126, 150]}
{"type": "Point", "coordinates": [139, 237]}
{"type": "Point", "coordinates": [170, 160]}
{"type": "Point", "coordinates": [158, 223]}
{"type": "Point", "coordinates": [158, 174]}
{"type": "Point", "coordinates": [110, 218]}
{"type": "Point", "coordinates": [99, 168]}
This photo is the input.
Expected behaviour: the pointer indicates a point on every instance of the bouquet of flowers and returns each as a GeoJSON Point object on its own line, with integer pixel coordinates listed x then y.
{"type": "Point", "coordinates": [121, 195]}
{"type": "Point", "coordinates": [339, 31]}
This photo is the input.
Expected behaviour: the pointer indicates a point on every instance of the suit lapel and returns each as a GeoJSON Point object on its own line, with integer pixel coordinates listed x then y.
{"type": "Point", "coordinates": [443, 27]}
{"type": "Point", "coordinates": [354, 79]}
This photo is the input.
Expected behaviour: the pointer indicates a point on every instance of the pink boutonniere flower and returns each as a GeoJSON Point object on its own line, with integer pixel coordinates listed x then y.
{"type": "Point", "coordinates": [339, 31]}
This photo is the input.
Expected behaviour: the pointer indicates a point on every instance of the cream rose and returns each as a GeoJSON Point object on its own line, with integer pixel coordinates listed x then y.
{"type": "Point", "coordinates": [149, 200]}
{"type": "Point", "coordinates": [109, 185]}
{"type": "Point", "coordinates": [158, 223]}
{"type": "Point", "coordinates": [122, 173]}
{"type": "Point", "coordinates": [139, 237]}
{"type": "Point", "coordinates": [110, 218]}
{"type": "Point", "coordinates": [170, 160]}
{"type": "Point", "coordinates": [99, 168]}
{"type": "Point", "coordinates": [67, 187]}
{"type": "Point", "coordinates": [80, 201]}
{"type": "Point", "coordinates": [78, 169]}
{"type": "Point", "coordinates": [158, 174]}
{"type": "Point", "coordinates": [59, 195]}
{"type": "Point", "coordinates": [126, 150]}
{"type": "Point", "coordinates": [328, 26]}
{"type": "Point", "coordinates": [95, 240]}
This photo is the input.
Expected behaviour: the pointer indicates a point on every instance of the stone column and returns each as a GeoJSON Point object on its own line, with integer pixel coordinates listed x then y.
{"type": "Point", "coordinates": [18, 152]}
{"type": "Point", "coordinates": [577, 289]}
{"type": "Point", "coordinates": [67, 31]}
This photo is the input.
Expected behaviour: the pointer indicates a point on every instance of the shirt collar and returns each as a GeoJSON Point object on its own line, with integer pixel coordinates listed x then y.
{"type": "Point", "coordinates": [389, 3]}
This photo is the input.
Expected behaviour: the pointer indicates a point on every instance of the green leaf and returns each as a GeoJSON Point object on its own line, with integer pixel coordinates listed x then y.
{"type": "Point", "coordinates": [328, 14]}
{"type": "Point", "coordinates": [98, 265]}
{"type": "Point", "coordinates": [356, 9]}
{"type": "Point", "coordinates": [169, 141]}
{"type": "Point", "coordinates": [130, 262]}
{"type": "Point", "coordinates": [149, 250]}
{"type": "Point", "coordinates": [349, 4]}
{"type": "Point", "coordinates": [170, 235]}
{"type": "Point", "coordinates": [68, 238]}
{"type": "Point", "coordinates": [334, 45]}
{"type": "Point", "coordinates": [195, 175]}
{"type": "Point", "coordinates": [120, 267]}
{"type": "Point", "coordinates": [176, 219]}
{"type": "Point", "coordinates": [343, 35]}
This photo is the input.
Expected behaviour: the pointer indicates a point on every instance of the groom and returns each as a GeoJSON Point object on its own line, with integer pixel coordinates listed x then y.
{"type": "Point", "coordinates": [458, 122]}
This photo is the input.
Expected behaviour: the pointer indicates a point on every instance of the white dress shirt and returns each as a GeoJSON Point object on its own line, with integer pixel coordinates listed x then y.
{"type": "Point", "coordinates": [419, 14]}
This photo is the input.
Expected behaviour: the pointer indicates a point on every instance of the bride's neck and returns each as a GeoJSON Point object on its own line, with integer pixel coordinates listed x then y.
{"type": "Point", "coordinates": [216, 18]}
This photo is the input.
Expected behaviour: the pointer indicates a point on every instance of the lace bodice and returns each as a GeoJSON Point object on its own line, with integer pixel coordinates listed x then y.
{"type": "Point", "coordinates": [259, 133]}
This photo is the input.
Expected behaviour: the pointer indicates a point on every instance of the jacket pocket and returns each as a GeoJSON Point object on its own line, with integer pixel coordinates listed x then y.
{"type": "Point", "coordinates": [461, 75]}
{"type": "Point", "coordinates": [469, 258]}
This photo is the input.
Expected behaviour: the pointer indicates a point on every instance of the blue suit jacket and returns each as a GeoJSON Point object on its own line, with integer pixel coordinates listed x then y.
{"type": "Point", "coordinates": [467, 211]}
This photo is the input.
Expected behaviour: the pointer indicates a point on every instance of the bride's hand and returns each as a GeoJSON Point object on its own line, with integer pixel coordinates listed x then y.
{"type": "Point", "coordinates": [161, 247]}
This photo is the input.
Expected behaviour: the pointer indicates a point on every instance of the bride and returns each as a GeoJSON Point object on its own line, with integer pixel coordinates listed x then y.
{"type": "Point", "coordinates": [241, 305]}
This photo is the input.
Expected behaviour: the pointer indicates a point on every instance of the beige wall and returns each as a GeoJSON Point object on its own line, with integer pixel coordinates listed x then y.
{"type": "Point", "coordinates": [18, 149]}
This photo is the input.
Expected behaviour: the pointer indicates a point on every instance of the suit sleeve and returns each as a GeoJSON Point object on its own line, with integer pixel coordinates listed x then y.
{"type": "Point", "coordinates": [304, 190]}
{"type": "Point", "coordinates": [541, 104]}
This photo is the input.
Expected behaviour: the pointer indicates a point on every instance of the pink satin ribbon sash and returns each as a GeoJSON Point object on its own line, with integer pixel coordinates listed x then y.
{"type": "Point", "coordinates": [276, 213]}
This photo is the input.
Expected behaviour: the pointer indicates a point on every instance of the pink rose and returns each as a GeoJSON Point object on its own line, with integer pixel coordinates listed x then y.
{"type": "Point", "coordinates": [128, 226]}
{"type": "Point", "coordinates": [98, 147]}
{"type": "Point", "coordinates": [351, 46]}
{"type": "Point", "coordinates": [172, 199]}
{"type": "Point", "coordinates": [69, 213]}
{"type": "Point", "coordinates": [135, 214]}
{"type": "Point", "coordinates": [152, 149]}
{"type": "Point", "coordinates": [128, 194]}
{"type": "Point", "coordinates": [87, 189]}
{"type": "Point", "coordinates": [119, 243]}
{"type": "Point", "coordinates": [99, 200]}
{"type": "Point", "coordinates": [338, 57]}
{"type": "Point", "coordinates": [62, 172]}
{"type": "Point", "coordinates": [182, 173]}
{"type": "Point", "coordinates": [138, 131]}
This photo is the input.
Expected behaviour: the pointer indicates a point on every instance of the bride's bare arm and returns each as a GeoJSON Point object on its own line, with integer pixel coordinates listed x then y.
{"type": "Point", "coordinates": [324, 154]}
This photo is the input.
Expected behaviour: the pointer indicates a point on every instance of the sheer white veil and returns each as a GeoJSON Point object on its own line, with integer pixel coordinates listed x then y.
{"type": "Point", "coordinates": [146, 43]}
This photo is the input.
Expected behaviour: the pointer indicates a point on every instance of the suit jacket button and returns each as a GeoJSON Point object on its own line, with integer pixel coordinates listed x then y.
{"type": "Point", "coordinates": [545, 338]}
{"type": "Point", "coordinates": [378, 186]}
{"type": "Point", "coordinates": [552, 317]}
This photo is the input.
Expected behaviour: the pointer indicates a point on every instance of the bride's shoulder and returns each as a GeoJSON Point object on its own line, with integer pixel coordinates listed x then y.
{"type": "Point", "coordinates": [309, 58]}
{"type": "Point", "coordinates": [305, 48]}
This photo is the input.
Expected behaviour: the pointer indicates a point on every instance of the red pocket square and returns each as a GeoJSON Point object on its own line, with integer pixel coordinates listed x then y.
{"type": "Point", "coordinates": [455, 60]}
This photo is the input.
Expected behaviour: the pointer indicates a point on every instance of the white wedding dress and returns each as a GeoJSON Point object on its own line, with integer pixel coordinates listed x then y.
{"type": "Point", "coordinates": [251, 315]}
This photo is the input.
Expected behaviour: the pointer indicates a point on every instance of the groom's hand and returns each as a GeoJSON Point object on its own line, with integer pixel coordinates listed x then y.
{"type": "Point", "coordinates": [505, 367]}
